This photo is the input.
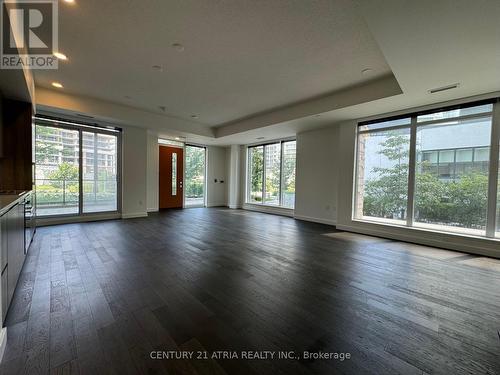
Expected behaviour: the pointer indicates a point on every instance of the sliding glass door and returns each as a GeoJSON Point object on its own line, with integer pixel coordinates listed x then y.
{"type": "Point", "coordinates": [194, 187]}
{"type": "Point", "coordinates": [77, 169]}
{"type": "Point", "coordinates": [57, 171]}
{"type": "Point", "coordinates": [99, 172]}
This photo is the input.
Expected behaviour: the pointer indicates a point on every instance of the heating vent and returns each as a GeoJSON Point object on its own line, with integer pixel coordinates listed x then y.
{"type": "Point", "coordinates": [84, 116]}
{"type": "Point", "coordinates": [444, 88]}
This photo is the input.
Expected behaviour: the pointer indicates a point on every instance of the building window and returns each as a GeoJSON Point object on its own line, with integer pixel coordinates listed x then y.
{"type": "Point", "coordinates": [271, 174]}
{"type": "Point", "coordinates": [69, 182]}
{"type": "Point", "coordinates": [450, 170]}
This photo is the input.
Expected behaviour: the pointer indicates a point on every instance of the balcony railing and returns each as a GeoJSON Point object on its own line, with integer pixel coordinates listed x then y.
{"type": "Point", "coordinates": [61, 196]}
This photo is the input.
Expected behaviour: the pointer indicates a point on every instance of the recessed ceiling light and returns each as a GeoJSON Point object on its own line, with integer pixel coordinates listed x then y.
{"type": "Point", "coordinates": [367, 71]}
{"type": "Point", "coordinates": [177, 139]}
{"type": "Point", "coordinates": [159, 68]}
{"type": "Point", "coordinates": [178, 47]}
{"type": "Point", "coordinates": [194, 116]}
{"type": "Point", "coordinates": [69, 1]}
{"type": "Point", "coordinates": [57, 84]}
{"type": "Point", "coordinates": [60, 56]}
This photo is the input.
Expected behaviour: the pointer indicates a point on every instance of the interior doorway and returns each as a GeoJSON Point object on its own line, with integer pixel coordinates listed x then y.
{"type": "Point", "coordinates": [171, 169]}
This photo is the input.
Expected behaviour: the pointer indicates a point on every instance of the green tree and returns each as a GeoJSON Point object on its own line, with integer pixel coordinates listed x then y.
{"type": "Point", "coordinates": [195, 171]}
{"type": "Point", "coordinates": [257, 168]}
{"type": "Point", "coordinates": [65, 172]}
{"type": "Point", "coordinates": [386, 196]}
{"type": "Point", "coordinates": [460, 202]}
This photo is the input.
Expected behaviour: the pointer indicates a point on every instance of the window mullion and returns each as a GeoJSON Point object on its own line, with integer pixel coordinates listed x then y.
{"type": "Point", "coordinates": [80, 172]}
{"type": "Point", "coordinates": [281, 174]}
{"type": "Point", "coordinates": [493, 172]}
{"type": "Point", "coordinates": [411, 173]}
{"type": "Point", "coordinates": [262, 201]}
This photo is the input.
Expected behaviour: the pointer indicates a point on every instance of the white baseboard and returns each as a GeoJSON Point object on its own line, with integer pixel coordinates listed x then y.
{"type": "Point", "coordinates": [41, 221]}
{"type": "Point", "coordinates": [222, 204]}
{"type": "Point", "coordinates": [235, 206]}
{"type": "Point", "coordinates": [316, 220]}
{"type": "Point", "coordinates": [3, 341]}
{"type": "Point", "coordinates": [132, 215]}
{"type": "Point", "coordinates": [153, 209]}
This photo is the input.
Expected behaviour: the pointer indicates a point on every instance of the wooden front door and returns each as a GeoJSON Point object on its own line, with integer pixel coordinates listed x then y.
{"type": "Point", "coordinates": [171, 177]}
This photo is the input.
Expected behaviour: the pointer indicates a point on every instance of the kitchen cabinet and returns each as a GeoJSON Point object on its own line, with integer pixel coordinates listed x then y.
{"type": "Point", "coordinates": [12, 253]}
{"type": "Point", "coordinates": [15, 246]}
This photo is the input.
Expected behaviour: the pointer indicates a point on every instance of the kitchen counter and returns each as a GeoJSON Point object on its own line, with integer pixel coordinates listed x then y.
{"type": "Point", "coordinates": [8, 201]}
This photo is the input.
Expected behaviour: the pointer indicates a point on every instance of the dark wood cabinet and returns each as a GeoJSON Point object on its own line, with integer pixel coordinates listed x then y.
{"type": "Point", "coordinates": [16, 168]}
{"type": "Point", "coordinates": [15, 246]}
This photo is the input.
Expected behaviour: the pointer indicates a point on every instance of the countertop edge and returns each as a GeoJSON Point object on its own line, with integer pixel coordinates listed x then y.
{"type": "Point", "coordinates": [6, 208]}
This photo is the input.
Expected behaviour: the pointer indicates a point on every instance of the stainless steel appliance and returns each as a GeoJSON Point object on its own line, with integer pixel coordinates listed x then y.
{"type": "Point", "coordinates": [29, 220]}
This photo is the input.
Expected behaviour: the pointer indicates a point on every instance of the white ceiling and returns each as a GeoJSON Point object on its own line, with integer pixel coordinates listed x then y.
{"type": "Point", "coordinates": [252, 69]}
{"type": "Point", "coordinates": [241, 57]}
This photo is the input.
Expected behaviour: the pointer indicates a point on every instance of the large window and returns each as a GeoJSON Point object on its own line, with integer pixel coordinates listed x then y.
{"type": "Point", "coordinates": [99, 172]}
{"type": "Point", "coordinates": [255, 173]}
{"type": "Point", "coordinates": [271, 174]}
{"type": "Point", "coordinates": [76, 169]}
{"type": "Point", "coordinates": [57, 156]}
{"type": "Point", "coordinates": [194, 188]}
{"type": "Point", "coordinates": [382, 176]}
{"type": "Point", "coordinates": [429, 170]}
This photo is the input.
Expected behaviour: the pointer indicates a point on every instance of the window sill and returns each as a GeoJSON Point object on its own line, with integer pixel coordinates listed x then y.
{"type": "Point", "coordinates": [430, 228]}
{"type": "Point", "coordinates": [267, 208]}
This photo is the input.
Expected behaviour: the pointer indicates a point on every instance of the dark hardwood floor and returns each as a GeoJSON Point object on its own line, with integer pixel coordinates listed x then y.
{"type": "Point", "coordinates": [97, 298]}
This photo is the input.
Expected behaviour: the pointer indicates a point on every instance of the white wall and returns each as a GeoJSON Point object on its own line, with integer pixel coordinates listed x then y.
{"type": "Point", "coordinates": [216, 170]}
{"type": "Point", "coordinates": [234, 157]}
{"type": "Point", "coordinates": [134, 176]}
{"type": "Point", "coordinates": [317, 175]}
{"type": "Point", "coordinates": [152, 173]}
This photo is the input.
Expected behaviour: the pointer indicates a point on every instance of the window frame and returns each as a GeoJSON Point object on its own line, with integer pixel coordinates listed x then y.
{"type": "Point", "coordinates": [205, 171]}
{"type": "Point", "coordinates": [493, 170]}
{"type": "Point", "coordinates": [59, 123]}
{"type": "Point", "coordinates": [248, 188]}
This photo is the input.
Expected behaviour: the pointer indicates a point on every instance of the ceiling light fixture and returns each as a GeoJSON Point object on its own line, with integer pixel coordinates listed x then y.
{"type": "Point", "coordinates": [69, 1]}
{"type": "Point", "coordinates": [444, 88]}
{"type": "Point", "coordinates": [177, 139]}
{"type": "Point", "coordinates": [57, 84]}
{"type": "Point", "coordinates": [158, 68]}
{"type": "Point", "coordinates": [194, 116]}
{"type": "Point", "coordinates": [178, 47]}
{"type": "Point", "coordinates": [60, 56]}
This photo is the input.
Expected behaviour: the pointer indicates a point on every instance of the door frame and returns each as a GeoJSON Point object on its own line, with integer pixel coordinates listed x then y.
{"type": "Point", "coordinates": [205, 181]}
{"type": "Point", "coordinates": [183, 147]}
